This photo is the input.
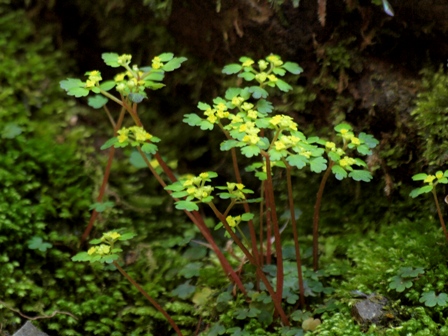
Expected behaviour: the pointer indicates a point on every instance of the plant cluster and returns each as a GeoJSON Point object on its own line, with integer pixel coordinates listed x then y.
{"type": "Point", "coordinates": [244, 115]}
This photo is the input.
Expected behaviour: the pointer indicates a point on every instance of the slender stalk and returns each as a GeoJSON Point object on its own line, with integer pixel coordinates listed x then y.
{"type": "Point", "coordinates": [439, 211]}
{"type": "Point", "coordinates": [150, 299]}
{"type": "Point", "coordinates": [253, 236]}
{"type": "Point", "coordinates": [320, 192]}
{"type": "Point", "coordinates": [199, 222]}
{"type": "Point", "coordinates": [275, 298]}
{"type": "Point", "coordinates": [296, 236]}
{"type": "Point", "coordinates": [276, 228]}
{"type": "Point", "coordinates": [110, 159]}
{"type": "Point", "coordinates": [268, 227]}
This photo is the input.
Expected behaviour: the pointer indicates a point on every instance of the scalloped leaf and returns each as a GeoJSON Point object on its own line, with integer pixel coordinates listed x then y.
{"type": "Point", "coordinates": [111, 59]}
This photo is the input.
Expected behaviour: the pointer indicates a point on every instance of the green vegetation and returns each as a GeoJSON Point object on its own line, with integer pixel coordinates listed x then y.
{"type": "Point", "coordinates": [226, 249]}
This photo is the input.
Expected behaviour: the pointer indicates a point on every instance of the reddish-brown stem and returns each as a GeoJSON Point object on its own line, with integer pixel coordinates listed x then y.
{"type": "Point", "coordinates": [320, 192]}
{"type": "Point", "coordinates": [253, 236]}
{"type": "Point", "coordinates": [198, 221]}
{"type": "Point", "coordinates": [275, 297]}
{"type": "Point", "coordinates": [149, 298]}
{"type": "Point", "coordinates": [439, 211]}
{"type": "Point", "coordinates": [110, 159]}
{"type": "Point", "coordinates": [268, 227]}
{"type": "Point", "coordinates": [275, 226]}
{"type": "Point", "coordinates": [296, 236]}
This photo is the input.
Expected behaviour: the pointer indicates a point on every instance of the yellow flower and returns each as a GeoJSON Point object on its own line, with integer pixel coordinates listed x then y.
{"type": "Point", "coordinates": [91, 250]}
{"type": "Point", "coordinates": [275, 60]}
{"type": "Point", "coordinates": [330, 145]}
{"type": "Point", "coordinates": [439, 175]}
{"type": "Point", "coordinates": [262, 64]}
{"type": "Point", "coordinates": [261, 77]}
{"type": "Point", "coordinates": [124, 59]}
{"type": "Point", "coordinates": [140, 134]}
{"type": "Point", "coordinates": [203, 176]}
{"type": "Point", "coordinates": [103, 249]}
{"type": "Point", "coordinates": [123, 135]}
{"type": "Point", "coordinates": [233, 221]}
{"type": "Point", "coordinates": [253, 139]}
{"type": "Point", "coordinates": [248, 63]}
{"type": "Point", "coordinates": [272, 78]}
{"type": "Point", "coordinates": [120, 77]}
{"type": "Point", "coordinates": [429, 179]}
{"type": "Point", "coordinates": [279, 145]}
{"type": "Point", "coordinates": [356, 141]}
{"type": "Point", "coordinates": [111, 236]}
{"type": "Point", "coordinates": [237, 101]}
{"type": "Point", "coordinates": [157, 63]}
{"type": "Point", "coordinates": [252, 114]}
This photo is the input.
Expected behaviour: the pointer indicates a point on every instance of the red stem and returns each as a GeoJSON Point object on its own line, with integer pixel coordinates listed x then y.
{"type": "Point", "coordinates": [278, 243]}
{"type": "Point", "coordinates": [150, 299]}
{"type": "Point", "coordinates": [316, 216]}
{"type": "Point", "coordinates": [296, 236]}
{"type": "Point", "coordinates": [439, 211]}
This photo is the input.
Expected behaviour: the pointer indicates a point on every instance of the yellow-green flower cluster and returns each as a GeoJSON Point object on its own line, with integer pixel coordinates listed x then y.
{"type": "Point", "coordinates": [196, 188]}
{"type": "Point", "coordinates": [251, 133]}
{"type": "Point", "coordinates": [101, 250]}
{"type": "Point", "coordinates": [275, 60]}
{"type": "Point", "coordinates": [283, 122]}
{"type": "Point", "coordinates": [233, 221]}
{"type": "Point", "coordinates": [110, 237]}
{"type": "Point", "coordinates": [94, 78]}
{"type": "Point", "coordinates": [124, 59]}
{"type": "Point", "coordinates": [133, 133]}
{"type": "Point", "coordinates": [157, 63]}
{"type": "Point", "coordinates": [218, 112]}
{"type": "Point", "coordinates": [331, 146]}
{"type": "Point", "coordinates": [236, 190]}
{"type": "Point", "coordinates": [346, 162]}
{"type": "Point", "coordinates": [430, 178]}
{"type": "Point", "coordinates": [348, 135]}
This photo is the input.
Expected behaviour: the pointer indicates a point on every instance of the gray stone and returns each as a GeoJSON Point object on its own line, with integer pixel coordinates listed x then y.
{"type": "Point", "coordinates": [28, 329]}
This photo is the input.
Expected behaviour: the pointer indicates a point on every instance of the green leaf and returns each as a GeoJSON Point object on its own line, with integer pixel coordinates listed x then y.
{"type": "Point", "coordinates": [431, 299]}
{"type": "Point", "coordinates": [137, 97]}
{"type": "Point", "coordinates": [297, 160]}
{"type": "Point", "coordinates": [107, 85]}
{"type": "Point", "coordinates": [184, 291]}
{"type": "Point", "coordinates": [186, 205]}
{"type": "Point", "coordinates": [258, 92]}
{"type": "Point", "coordinates": [153, 86]}
{"type": "Point", "coordinates": [342, 126]}
{"type": "Point", "coordinates": [71, 83]}
{"type": "Point", "coordinates": [364, 150]}
{"type": "Point", "coordinates": [283, 86]}
{"type": "Point", "coordinates": [318, 164]}
{"type": "Point", "coordinates": [36, 243]}
{"type": "Point", "coordinates": [399, 284]}
{"type": "Point", "coordinates": [368, 139]}
{"type": "Point", "coordinates": [228, 144]}
{"type": "Point", "coordinates": [264, 106]}
{"type": "Point", "coordinates": [292, 67]}
{"type": "Point", "coordinates": [149, 148]}
{"type": "Point", "coordinates": [78, 92]}
{"type": "Point", "coordinates": [279, 71]}
{"type": "Point", "coordinates": [109, 258]}
{"type": "Point", "coordinates": [101, 206]}
{"type": "Point", "coordinates": [81, 256]}
{"type": "Point", "coordinates": [111, 59]}
{"type": "Point", "coordinates": [192, 269]}
{"type": "Point", "coordinates": [127, 236]}
{"type": "Point", "coordinates": [231, 69]}
{"type": "Point", "coordinates": [334, 156]}
{"type": "Point", "coordinates": [250, 151]}
{"type": "Point", "coordinates": [137, 161]}
{"type": "Point", "coordinates": [419, 177]}
{"type": "Point", "coordinates": [192, 119]}
{"type": "Point", "coordinates": [247, 216]}
{"type": "Point", "coordinates": [11, 130]}
{"type": "Point", "coordinates": [217, 329]}
{"type": "Point", "coordinates": [97, 101]}
{"type": "Point", "coordinates": [339, 172]}
{"type": "Point", "coordinates": [248, 76]}
{"type": "Point", "coordinates": [410, 272]}
{"type": "Point", "coordinates": [360, 175]}
{"type": "Point", "coordinates": [165, 57]}
{"type": "Point", "coordinates": [155, 75]}
{"type": "Point", "coordinates": [174, 64]}
{"type": "Point", "coordinates": [109, 143]}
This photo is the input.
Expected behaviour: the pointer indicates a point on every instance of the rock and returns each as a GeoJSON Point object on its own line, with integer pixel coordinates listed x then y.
{"type": "Point", "coordinates": [28, 329]}
{"type": "Point", "coordinates": [372, 310]}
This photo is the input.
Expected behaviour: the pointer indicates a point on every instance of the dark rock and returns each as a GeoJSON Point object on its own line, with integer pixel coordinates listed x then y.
{"type": "Point", "coordinates": [28, 329]}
